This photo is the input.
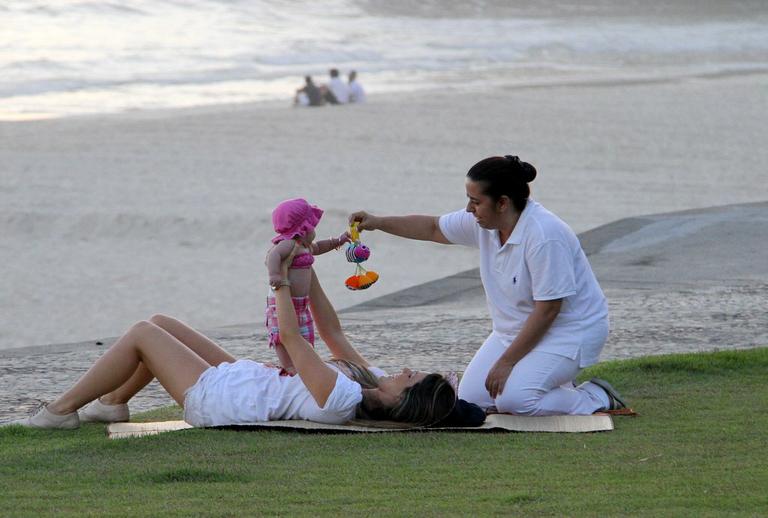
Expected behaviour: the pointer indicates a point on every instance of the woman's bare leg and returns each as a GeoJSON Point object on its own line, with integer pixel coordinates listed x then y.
{"type": "Point", "coordinates": [203, 346]}
{"type": "Point", "coordinates": [206, 348]}
{"type": "Point", "coordinates": [174, 364]}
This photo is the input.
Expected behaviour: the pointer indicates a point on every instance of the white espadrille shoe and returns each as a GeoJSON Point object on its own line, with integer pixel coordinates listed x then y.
{"type": "Point", "coordinates": [44, 418]}
{"type": "Point", "coordinates": [98, 412]}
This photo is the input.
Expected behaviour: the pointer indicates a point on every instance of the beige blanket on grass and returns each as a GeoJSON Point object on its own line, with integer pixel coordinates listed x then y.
{"type": "Point", "coordinates": [493, 423]}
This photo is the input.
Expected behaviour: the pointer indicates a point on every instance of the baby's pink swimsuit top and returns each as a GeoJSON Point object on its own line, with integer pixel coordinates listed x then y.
{"type": "Point", "coordinates": [304, 260]}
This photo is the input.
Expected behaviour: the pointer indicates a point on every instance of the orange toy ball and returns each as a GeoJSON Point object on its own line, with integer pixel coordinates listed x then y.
{"type": "Point", "coordinates": [353, 283]}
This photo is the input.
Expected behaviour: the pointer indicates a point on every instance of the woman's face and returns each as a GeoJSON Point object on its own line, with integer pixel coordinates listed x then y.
{"type": "Point", "coordinates": [395, 385]}
{"type": "Point", "coordinates": [481, 206]}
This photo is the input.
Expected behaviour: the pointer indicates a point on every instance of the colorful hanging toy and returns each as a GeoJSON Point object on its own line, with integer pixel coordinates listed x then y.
{"type": "Point", "coordinates": [358, 253]}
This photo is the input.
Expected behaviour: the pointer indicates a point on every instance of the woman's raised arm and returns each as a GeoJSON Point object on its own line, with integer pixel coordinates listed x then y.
{"type": "Point", "coordinates": [315, 374]}
{"type": "Point", "coordinates": [329, 327]}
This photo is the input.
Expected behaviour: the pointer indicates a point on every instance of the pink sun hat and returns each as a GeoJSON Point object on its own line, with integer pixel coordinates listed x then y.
{"type": "Point", "coordinates": [294, 218]}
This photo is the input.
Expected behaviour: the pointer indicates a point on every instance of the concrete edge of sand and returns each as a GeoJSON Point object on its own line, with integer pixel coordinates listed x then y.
{"type": "Point", "coordinates": [448, 288]}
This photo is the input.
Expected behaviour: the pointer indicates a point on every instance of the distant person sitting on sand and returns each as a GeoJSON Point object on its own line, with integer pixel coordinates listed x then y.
{"type": "Point", "coordinates": [309, 94]}
{"type": "Point", "coordinates": [337, 91]}
{"type": "Point", "coordinates": [295, 221]}
{"type": "Point", "coordinates": [356, 92]}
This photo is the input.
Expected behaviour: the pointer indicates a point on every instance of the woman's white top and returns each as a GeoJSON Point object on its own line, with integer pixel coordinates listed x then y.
{"type": "Point", "coordinates": [541, 260]}
{"type": "Point", "coordinates": [247, 391]}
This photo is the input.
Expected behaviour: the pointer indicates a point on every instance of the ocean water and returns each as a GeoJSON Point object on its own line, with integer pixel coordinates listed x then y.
{"type": "Point", "coordinates": [74, 57]}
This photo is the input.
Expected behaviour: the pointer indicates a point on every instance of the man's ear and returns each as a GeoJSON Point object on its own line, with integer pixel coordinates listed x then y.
{"type": "Point", "coordinates": [503, 203]}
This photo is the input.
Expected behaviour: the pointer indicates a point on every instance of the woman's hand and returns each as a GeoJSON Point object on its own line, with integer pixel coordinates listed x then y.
{"type": "Point", "coordinates": [498, 376]}
{"type": "Point", "coordinates": [275, 279]}
{"type": "Point", "coordinates": [536, 325]}
{"type": "Point", "coordinates": [365, 221]}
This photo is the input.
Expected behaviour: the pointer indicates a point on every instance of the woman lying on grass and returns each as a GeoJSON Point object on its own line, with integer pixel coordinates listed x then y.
{"type": "Point", "coordinates": [215, 389]}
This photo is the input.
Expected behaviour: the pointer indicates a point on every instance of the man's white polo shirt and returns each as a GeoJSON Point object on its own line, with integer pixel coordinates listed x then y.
{"type": "Point", "coordinates": [340, 90]}
{"type": "Point", "coordinates": [541, 260]}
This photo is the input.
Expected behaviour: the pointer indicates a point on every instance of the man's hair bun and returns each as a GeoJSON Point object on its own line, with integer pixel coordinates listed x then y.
{"type": "Point", "coordinates": [525, 171]}
{"type": "Point", "coordinates": [504, 176]}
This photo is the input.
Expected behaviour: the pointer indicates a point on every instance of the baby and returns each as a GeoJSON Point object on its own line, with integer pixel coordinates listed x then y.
{"type": "Point", "coordinates": [295, 221]}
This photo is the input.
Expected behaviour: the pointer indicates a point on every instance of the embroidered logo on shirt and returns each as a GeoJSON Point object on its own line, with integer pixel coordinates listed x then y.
{"type": "Point", "coordinates": [514, 279]}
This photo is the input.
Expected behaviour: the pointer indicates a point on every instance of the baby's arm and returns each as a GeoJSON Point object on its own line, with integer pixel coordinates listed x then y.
{"type": "Point", "coordinates": [326, 245]}
{"type": "Point", "coordinates": [274, 257]}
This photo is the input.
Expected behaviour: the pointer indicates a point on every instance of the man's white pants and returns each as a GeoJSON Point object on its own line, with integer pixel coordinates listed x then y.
{"type": "Point", "coordinates": [540, 384]}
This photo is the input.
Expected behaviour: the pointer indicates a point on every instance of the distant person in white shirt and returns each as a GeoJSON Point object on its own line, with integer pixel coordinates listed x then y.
{"type": "Point", "coordinates": [356, 92]}
{"type": "Point", "coordinates": [337, 91]}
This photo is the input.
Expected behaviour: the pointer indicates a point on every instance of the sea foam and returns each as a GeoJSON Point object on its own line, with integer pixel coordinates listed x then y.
{"type": "Point", "coordinates": [65, 58]}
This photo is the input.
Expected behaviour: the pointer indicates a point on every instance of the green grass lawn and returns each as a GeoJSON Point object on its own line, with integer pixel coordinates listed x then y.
{"type": "Point", "coordinates": [697, 449]}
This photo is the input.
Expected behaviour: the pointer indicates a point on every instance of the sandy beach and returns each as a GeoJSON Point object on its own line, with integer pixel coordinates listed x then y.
{"type": "Point", "coordinates": [106, 220]}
